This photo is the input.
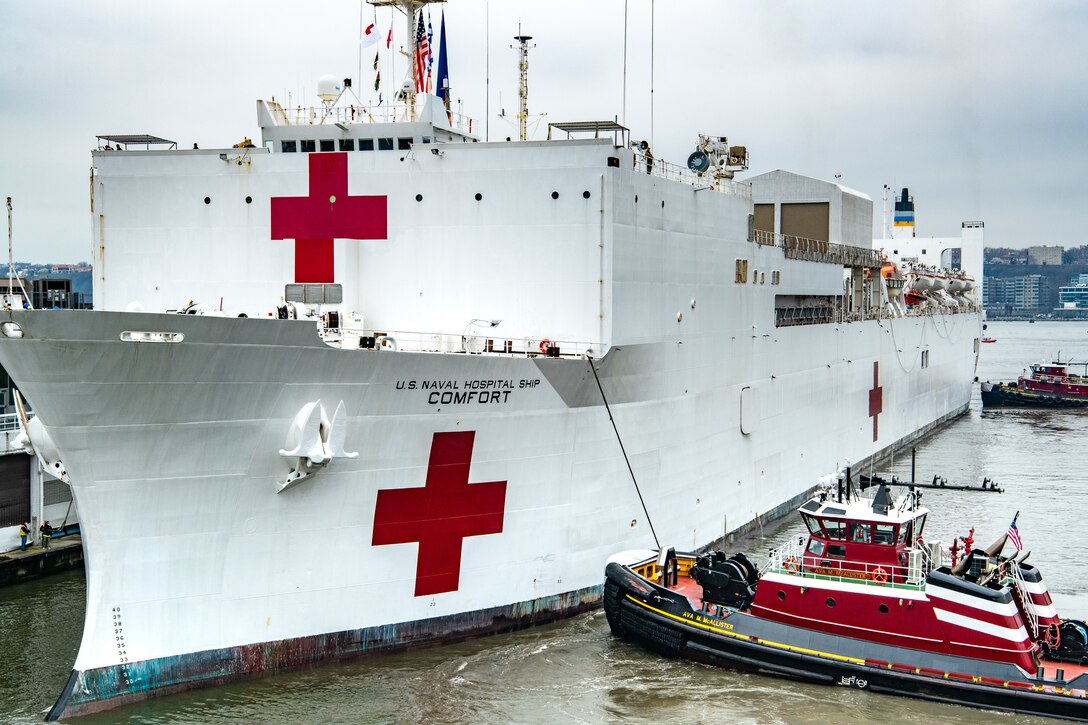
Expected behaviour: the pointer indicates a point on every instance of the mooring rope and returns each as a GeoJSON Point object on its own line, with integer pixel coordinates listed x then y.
{"type": "Point", "coordinates": [624, 451]}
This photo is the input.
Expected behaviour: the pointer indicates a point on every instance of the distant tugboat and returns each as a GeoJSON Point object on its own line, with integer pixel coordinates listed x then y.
{"type": "Point", "coordinates": [1046, 385]}
{"type": "Point", "coordinates": [865, 603]}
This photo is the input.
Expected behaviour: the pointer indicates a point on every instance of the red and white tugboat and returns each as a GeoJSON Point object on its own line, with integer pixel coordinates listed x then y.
{"type": "Point", "coordinates": [1044, 385]}
{"type": "Point", "coordinates": [867, 602]}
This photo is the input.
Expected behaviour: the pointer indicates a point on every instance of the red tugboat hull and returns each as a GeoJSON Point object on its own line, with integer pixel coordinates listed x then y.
{"type": "Point", "coordinates": [666, 621]}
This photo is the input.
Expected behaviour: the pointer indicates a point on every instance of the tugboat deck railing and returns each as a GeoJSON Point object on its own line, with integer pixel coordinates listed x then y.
{"type": "Point", "coordinates": [790, 559]}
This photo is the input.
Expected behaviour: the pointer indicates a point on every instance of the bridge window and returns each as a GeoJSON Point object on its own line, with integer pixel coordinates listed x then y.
{"type": "Point", "coordinates": [404, 144]}
{"type": "Point", "coordinates": [813, 526]}
{"type": "Point", "coordinates": [884, 534]}
{"type": "Point", "coordinates": [385, 144]}
{"type": "Point", "coordinates": [308, 146]}
{"type": "Point", "coordinates": [347, 144]}
{"type": "Point", "coordinates": [288, 147]}
{"type": "Point", "coordinates": [815, 547]}
{"type": "Point", "coordinates": [328, 144]}
{"type": "Point", "coordinates": [835, 529]}
{"type": "Point", "coordinates": [861, 533]}
{"type": "Point", "coordinates": [836, 551]}
{"type": "Point", "coordinates": [366, 144]}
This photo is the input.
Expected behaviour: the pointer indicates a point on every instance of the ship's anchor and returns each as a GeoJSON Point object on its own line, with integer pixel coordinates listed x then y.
{"type": "Point", "coordinates": [313, 440]}
{"type": "Point", "coordinates": [35, 439]}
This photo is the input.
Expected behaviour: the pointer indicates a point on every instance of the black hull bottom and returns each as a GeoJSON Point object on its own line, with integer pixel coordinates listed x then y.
{"type": "Point", "coordinates": [637, 612]}
{"type": "Point", "coordinates": [1004, 396]}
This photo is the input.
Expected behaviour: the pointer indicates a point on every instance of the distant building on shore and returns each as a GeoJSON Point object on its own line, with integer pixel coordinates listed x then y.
{"type": "Point", "coordinates": [1046, 255]}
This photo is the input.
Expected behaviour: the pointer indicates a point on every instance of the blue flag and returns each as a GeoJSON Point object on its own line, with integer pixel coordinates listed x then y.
{"type": "Point", "coordinates": [443, 69]}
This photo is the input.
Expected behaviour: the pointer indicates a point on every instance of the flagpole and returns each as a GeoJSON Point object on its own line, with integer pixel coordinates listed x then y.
{"type": "Point", "coordinates": [624, 106]}
{"type": "Point", "coordinates": [359, 78]}
{"type": "Point", "coordinates": [651, 73]}
{"type": "Point", "coordinates": [487, 71]}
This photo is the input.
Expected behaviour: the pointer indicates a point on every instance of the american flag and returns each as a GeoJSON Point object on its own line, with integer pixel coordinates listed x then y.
{"type": "Point", "coordinates": [423, 54]}
{"type": "Point", "coordinates": [1014, 533]}
{"type": "Point", "coordinates": [430, 55]}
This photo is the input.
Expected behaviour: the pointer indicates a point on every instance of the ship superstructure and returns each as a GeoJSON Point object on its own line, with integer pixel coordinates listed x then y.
{"type": "Point", "coordinates": [387, 337]}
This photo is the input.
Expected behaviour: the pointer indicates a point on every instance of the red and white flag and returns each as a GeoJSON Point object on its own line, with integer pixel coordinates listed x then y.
{"type": "Point", "coordinates": [1014, 533]}
{"type": "Point", "coordinates": [371, 36]}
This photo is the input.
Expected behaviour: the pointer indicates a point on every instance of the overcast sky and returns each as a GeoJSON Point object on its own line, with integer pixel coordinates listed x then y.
{"type": "Point", "coordinates": [979, 106]}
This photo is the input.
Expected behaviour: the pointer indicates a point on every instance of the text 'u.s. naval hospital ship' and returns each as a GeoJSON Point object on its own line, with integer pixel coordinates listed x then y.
{"type": "Point", "coordinates": [379, 425]}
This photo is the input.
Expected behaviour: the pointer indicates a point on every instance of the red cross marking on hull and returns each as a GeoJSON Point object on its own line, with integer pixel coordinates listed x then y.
{"type": "Point", "coordinates": [876, 398]}
{"type": "Point", "coordinates": [328, 213]}
{"type": "Point", "coordinates": [441, 514]}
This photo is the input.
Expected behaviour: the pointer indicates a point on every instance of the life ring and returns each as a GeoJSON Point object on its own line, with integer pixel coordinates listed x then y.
{"type": "Point", "coordinates": [791, 565]}
{"type": "Point", "coordinates": [544, 345]}
{"type": "Point", "coordinates": [879, 575]}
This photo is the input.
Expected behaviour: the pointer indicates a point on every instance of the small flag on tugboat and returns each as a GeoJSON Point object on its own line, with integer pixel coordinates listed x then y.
{"type": "Point", "coordinates": [1014, 533]}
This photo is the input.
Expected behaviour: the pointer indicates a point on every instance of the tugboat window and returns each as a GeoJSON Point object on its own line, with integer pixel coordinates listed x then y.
{"type": "Point", "coordinates": [815, 547]}
{"type": "Point", "coordinates": [835, 529]}
{"type": "Point", "coordinates": [883, 608]}
{"type": "Point", "coordinates": [839, 552]}
{"type": "Point", "coordinates": [813, 526]}
{"type": "Point", "coordinates": [861, 533]}
{"type": "Point", "coordinates": [884, 534]}
{"type": "Point", "coordinates": [830, 602]}
{"type": "Point", "coordinates": [781, 595]}
{"type": "Point", "coordinates": [904, 532]}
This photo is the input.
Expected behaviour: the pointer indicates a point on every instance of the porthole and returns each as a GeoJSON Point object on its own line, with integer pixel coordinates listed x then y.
{"type": "Point", "coordinates": [586, 194]}
{"type": "Point", "coordinates": [207, 200]}
{"type": "Point", "coordinates": [662, 203]}
{"type": "Point", "coordinates": [419, 197]}
{"type": "Point", "coordinates": [636, 198]}
{"type": "Point", "coordinates": [555, 194]}
{"type": "Point", "coordinates": [479, 196]}
{"type": "Point", "coordinates": [249, 199]}
{"type": "Point", "coordinates": [830, 602]}
{"type": "Point", "coordinates": [883, 608]}
{"type": "Point", "coordinates": [781, 595]}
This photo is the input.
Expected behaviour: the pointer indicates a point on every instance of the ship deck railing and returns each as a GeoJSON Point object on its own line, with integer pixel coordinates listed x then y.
{"type": "Point", "coordinates": [818, 250]}
{"type": "Point", "coordinates": [462, 344]}
{"type": "Point", "coordinates": [347, 115]}
{"type": "Point", "coordinates": [789, 559]}
{"type": "Point", "coordinates": [10, 428]}
{"type": "Point", "coordinates": [673, 172]}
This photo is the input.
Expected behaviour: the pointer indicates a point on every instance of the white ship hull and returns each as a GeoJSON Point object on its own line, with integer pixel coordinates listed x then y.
{"type": "Point", "coordinates": [199, 571]}
{"type": "Point", "coordinates": [489, 489]}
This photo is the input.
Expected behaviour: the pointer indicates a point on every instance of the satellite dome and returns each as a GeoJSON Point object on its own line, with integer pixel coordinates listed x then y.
{"type": "Point", "coordinates": [328, 88]}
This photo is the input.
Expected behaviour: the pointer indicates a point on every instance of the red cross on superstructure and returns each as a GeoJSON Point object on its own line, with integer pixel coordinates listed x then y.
{"type": "Point", "coordinates": [328, 213]}
{"type": "Point", "coordinates": [441, 514]}
{"type": "Point", "coordinates": [876, 398]}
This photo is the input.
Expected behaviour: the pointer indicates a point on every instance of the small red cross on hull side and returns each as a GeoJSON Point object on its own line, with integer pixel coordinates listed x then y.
{"type": "Point", "coordinates": [876, 398]}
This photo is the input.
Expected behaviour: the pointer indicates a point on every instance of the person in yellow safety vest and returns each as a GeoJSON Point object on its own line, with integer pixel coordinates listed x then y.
{"type": "Point", "coordinates": [47, 534]}
{"type": "Point", "coordinates": [24, 532]}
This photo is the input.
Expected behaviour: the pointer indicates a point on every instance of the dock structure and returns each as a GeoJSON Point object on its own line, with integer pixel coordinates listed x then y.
{"type": "Point", "coordinates": [64, 552]}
